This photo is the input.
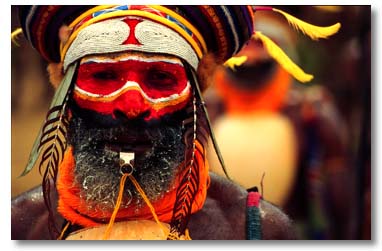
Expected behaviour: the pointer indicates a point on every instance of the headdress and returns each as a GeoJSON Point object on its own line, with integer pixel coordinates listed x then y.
{"type": "Point", "coordinates": [188, 32]}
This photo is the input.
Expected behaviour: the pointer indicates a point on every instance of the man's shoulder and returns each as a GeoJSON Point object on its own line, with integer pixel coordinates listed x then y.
{"type": "Point", "coordinates": [223, 215]}
{"type": "Point", "coordinates": [30, 216]}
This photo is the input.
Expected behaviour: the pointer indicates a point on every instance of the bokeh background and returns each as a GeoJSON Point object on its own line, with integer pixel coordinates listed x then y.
{"type": "Point", "coordinates": [341, 64]}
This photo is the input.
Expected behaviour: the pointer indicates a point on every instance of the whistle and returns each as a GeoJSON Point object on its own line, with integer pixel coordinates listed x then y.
{"type": "Point", "coordinates": [126, 162]}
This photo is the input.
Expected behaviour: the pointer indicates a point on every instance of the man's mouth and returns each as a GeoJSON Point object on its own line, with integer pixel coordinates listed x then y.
{"type": "Point", "coordinates": [128, 143]}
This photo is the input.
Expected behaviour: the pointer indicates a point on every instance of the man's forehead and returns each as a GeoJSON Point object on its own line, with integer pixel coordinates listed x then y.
{"type": "Point", "coordinates": [131, 55]}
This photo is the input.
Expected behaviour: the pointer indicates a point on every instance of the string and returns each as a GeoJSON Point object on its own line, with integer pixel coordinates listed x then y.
{"type": "Point", "coordinates": [118, 204]}
{"type": "Point", "coordinates": [144, 196]}
{"type": "Point", "coordinates": [63, 231]}
{"type": "Point", "coordinates": [172, 236]}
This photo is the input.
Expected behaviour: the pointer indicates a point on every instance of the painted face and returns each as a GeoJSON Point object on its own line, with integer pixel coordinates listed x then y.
{"type": "Point", "coordinates": [132, 84]}
{"type": "Point", "coordinates": [127, 102]}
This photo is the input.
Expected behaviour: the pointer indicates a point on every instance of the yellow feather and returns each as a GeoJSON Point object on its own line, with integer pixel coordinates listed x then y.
{"type": "Point", "coordinates": [279, 55]}
{"type": "Point", "coordinates": [235, 61]}
{"type": "Point", "coordinates": [313, 31]}
{"type": "Point", "coordinates": [15, 34]}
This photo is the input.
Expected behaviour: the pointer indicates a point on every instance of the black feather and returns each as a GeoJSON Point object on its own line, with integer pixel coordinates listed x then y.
{"type": "Point", "coordinates": [53, 146]}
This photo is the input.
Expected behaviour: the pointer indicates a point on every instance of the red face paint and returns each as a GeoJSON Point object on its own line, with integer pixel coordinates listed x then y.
{"type": "Point", "coordinates": [132, 83]}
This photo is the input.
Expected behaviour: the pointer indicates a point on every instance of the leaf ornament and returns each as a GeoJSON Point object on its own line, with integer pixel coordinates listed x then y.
{"type": "Point", "coordinates": [313, 31]}
{"type": "Point", "coordinates": [54, 118]}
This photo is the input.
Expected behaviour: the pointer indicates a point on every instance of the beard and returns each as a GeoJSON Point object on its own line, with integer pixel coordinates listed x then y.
{"type": "Point", "coordinates": [159, 151]}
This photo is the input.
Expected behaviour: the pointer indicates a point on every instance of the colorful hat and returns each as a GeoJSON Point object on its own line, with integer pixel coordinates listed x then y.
{"type": "Point", "coordinates": [185, 31]}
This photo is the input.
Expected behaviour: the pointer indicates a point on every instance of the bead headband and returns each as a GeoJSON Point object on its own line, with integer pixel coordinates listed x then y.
{"type": "Point", "coordinates": [190, 43]}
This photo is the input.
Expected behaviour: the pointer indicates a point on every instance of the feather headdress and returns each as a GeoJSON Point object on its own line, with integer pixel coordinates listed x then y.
{"type": "Point", "coordinates": [312, 31]}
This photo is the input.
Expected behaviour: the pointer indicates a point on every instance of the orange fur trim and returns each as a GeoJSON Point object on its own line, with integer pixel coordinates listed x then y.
{"type": "Point", "coordinates": [76, 210]}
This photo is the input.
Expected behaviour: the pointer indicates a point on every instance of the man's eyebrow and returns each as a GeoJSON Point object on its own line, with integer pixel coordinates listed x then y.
{"type": "Point", "coordinates": [164, 59]}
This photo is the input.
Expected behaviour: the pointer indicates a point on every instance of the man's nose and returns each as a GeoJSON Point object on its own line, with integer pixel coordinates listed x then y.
{"type": "Point", "coordinates": [131, 105]}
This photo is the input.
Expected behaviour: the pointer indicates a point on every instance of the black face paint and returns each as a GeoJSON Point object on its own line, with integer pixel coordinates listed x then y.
{"type": "Point", "coordinates": [97, 142]}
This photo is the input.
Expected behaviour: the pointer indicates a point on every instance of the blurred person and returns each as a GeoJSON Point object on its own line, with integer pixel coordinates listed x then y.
{"type": "Point", "coordinates": [289, 141]}
{"type": "Point", "coordinates": [28, 84]}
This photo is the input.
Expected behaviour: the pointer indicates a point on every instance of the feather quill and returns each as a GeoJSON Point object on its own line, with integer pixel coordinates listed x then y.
{"type": "Point", "coordinates": [279, 55]}
{"type": "Point", "coordinates": [189, 183]}
{"type": "Point", "coordinates": [52, 147]}
{"type": "Point", "coordinates": [313, 31]}
{"type": "Point", "coordinates": [211, 132]}
{"type": "Point", "coordinates": [195, 135]}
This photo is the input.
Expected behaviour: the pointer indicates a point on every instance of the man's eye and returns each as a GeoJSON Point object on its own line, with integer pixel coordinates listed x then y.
{"type": "Point", "coordinates": [158, 77]}
{"type": "Point", "coordinates": [105, 75]}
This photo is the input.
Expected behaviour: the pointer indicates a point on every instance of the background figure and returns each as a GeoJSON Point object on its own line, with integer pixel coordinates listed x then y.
{"type": "Point", "coordinates": [252, 133]}
{"type": "Point", "coordinates": [31, 96]}
{"type": "Point", "coordinates": [291, 140]}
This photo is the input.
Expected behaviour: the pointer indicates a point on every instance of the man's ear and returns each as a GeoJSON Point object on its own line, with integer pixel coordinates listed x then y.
{"type": "Point", "coordinates": [206, 70]}
{"type": "Point", "coordinates": [55, 70]}
{"type": "Point", "coordinates": [55, 74]}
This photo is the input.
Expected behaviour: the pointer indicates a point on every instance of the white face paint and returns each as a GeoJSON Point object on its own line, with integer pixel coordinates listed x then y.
{"type": "Point", "coordinates": [113, 35]}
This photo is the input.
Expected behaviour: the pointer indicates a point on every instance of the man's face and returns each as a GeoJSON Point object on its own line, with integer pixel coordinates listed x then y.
{"type": "Point", "coordinates": [127, 102]}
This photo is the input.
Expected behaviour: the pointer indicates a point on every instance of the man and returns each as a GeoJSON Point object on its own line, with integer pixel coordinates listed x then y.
{"type": "Point", "coordinates": [274, 132]}
{"type": "Point", "coordinates": [123, 147]}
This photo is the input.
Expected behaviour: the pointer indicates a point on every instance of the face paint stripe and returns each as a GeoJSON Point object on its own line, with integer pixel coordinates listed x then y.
{"type": "Point", "coordinates": [107, 107]}
{"type": "Point", "coordinates": [130, 86]}
{"type": "Point", "coordinates": [139, 58]}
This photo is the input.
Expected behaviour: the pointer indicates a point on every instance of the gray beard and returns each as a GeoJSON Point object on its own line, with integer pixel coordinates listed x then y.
{"type": "Point", "coordinates": [97, 171]}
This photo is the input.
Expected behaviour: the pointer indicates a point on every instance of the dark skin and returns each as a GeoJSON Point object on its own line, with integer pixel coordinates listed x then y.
{"type": "Point", "coordinates": [221, 218]}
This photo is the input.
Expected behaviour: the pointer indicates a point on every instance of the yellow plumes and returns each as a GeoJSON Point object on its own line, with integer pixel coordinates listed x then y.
{"type": "Point", "coordinates": [15, 34]}
{"type": "Point", "coordinates": [278, 54]}
{"type": "Point", "coordinates": [235, 61]}
{"type": "Point", "coordinates": [314, 32]}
